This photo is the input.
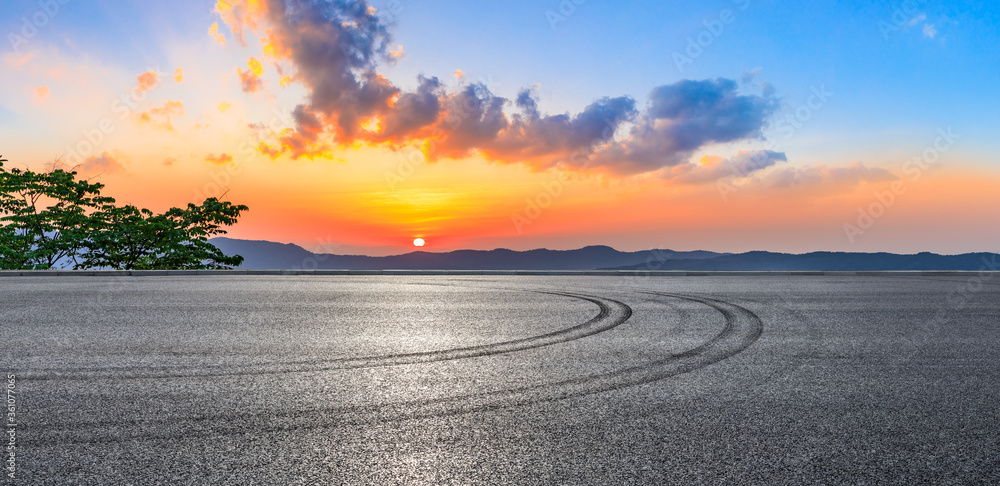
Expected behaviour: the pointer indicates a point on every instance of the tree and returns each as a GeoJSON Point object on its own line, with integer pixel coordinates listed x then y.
{"type": "Point", "coordinates": [130, 238]}
{"type": "Point", "coordinates": [45, 216]}
{"type": "Point", "coordinates": [53, 219]}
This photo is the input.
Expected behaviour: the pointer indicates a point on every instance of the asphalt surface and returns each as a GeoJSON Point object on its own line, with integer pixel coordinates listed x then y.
{"type": "Point", "coordinates": [503, 380]}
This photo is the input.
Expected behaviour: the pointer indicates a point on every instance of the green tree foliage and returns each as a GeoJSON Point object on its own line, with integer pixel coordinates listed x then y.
{"type": "Point", "coordinates": [131, 238]}
{"type": "Point", "coordinates": [52, 219]}
{"type": "Point", "coordinates": [45, 216]}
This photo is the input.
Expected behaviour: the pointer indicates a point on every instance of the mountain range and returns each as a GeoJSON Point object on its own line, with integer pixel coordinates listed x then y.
{"type": "Point", "coordinates": [268, 255]}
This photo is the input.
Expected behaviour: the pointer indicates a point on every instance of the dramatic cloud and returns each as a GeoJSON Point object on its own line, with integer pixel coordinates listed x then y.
{"type": "Point", "coordinates": [146, 81]}
{"type": "Point", "coordinates": [412, 111]}
{"type": "Point", "coordinates": [712, 168]}
{"type": "Point", "coordinates": [333, 49]}
{"type": "Point", "coordinates": [683, 117]}
{"type": "Point", "coordinates": [300, 142]}
{"type": "Point", "coordinates": [220, 159]}
{"type": "Point", "coordinates": [472, 117]}
{"type": "Point", "coordinates": [545, 140]}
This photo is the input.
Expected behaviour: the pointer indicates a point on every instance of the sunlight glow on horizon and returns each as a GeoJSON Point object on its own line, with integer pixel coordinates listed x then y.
{"type": "Point", "coordinates": [233, 103]}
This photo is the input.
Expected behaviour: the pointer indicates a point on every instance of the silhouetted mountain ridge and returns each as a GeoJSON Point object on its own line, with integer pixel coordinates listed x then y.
{"type": "Point", "coordinates": [828, 261]}
{"type": "Point", "coordinates": [267, 255]}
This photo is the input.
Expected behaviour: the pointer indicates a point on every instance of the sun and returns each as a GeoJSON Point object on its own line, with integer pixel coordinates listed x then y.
{"type": "Point", "coordinates": [418, 242]}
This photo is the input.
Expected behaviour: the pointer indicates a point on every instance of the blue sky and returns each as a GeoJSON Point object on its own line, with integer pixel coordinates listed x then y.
{"type": "Point", "coordinates": [894, 74]}
{"type": "Point", "coordinates": [892, 86]}
{"type": "Point", "coordinates": [889, 85]}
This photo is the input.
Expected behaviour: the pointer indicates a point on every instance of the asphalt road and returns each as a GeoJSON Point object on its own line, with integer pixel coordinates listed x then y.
{"type": "Point", "coordinates": [496, 380]}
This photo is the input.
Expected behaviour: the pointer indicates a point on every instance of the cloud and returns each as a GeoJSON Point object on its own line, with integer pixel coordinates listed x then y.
{"type": "Point", "coordinates": [169, 161]}
{"type": "Point", "coordinates": [250, 79]}
{"type": "Point", "coordinates": [13, 60]}
{"type": "Point", "coordinates": [214, 32]}
{"type": "Point", "coordinates": [821, 175]}
{"type": "Point", "coordinates": [161, 116]}
{"type": "Point", "coordinates": [100, 164]}
{"type": "Point", "coordinates": [178, 75]}
{"type": "Point", "coordinates": [146, 81]}
{"type": "Point", "coordinates": [546, 140]}
{"type": "Point", "coordinates": [41, 93]}
{"type": "Point", "coordinates": [930, 31]}
{"type": "Point", "coordinates": [712, 168]}
{"type": "Point", "coordinates": [917, 19]}
{"type": "Point", "coordinates": [224, 106]}
{"type": "Point", "coordinates": [334, 48]}
{"type": "Point", "coordinates": [411, 111]}
{"type": "Point", "coordinates": [301, 141]}
{"type": "Point", "coordinates": [239, 14]}
{"type": "Point", "coordinates": [397, 53]}
{"type": "Point", "coordinates": [220, 159]}
{"type": "Point", "coordinates": [681, 118]}
{"type": "Point", "coordinates": [169, 108]}
{"type": "Point", "coordinates": [749, 75]}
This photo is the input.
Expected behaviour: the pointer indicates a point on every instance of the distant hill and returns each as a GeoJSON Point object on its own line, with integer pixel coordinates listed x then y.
{"type": "Point", "coordinates": [267, 255]}
{"type": "Point", "coordinates": [829, 261]}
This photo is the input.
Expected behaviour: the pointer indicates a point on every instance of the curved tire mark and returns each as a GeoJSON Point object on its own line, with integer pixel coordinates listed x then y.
{"type": "Point", "coordinates": [742, 329]}
{"type": "Point", "coordinates": [612, 313]}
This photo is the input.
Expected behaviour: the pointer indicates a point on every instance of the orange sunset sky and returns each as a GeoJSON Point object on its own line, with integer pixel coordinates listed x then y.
{"type": "Point", "coordinates": [355, 126]}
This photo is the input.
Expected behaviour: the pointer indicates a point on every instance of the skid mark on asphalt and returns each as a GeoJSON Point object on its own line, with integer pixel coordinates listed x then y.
{"type": "Point", "coordinates": [742, 329]}
{"type": "Point", "coordinates": [612, 313]}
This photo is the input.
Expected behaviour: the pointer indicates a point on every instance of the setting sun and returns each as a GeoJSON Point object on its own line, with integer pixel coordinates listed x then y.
{"type": "Point", "coordinates": [418, 242]}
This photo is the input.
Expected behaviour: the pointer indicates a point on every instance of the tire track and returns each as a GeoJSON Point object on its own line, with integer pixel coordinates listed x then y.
{"type": "Point", "coordinates": [742, 328]}
{"type": "Point", "coordinates": [612, 313]}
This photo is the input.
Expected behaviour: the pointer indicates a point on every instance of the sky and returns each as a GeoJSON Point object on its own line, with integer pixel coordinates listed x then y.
{"type": "Point", "coordinates": [358, 126]}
